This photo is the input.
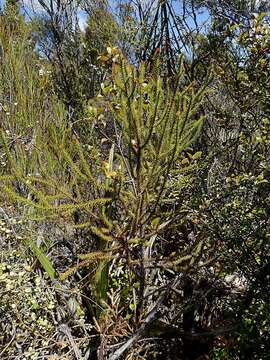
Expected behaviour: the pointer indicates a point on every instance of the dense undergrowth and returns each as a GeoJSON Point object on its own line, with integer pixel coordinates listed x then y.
{"type": "Point", "coordinates": [134, 218]}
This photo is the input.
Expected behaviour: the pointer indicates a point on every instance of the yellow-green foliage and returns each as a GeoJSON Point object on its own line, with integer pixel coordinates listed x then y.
{"type": "Point", "coordinates": [44, 167]}
{"type": "Point", "coordinates": [30, 112]}
{"type": "Point", "coordinates": [53, 175]}
{"type": "Point", "coordinates": [154, 122]}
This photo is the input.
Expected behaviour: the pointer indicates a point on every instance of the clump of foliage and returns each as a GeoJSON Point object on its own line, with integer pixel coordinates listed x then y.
{"type": "Point", "coordinates": [31, 314]}
{"type": "Point", "coordinates": [26, 311]}
{"type": "Point", "coordinates": [140, 176]}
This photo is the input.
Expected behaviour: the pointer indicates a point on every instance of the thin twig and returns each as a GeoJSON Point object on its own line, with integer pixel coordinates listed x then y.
{"type": "Point", "coordinates": [153, 314]}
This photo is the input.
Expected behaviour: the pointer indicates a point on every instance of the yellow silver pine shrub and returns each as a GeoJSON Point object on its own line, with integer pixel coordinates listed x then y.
{"type": "Point", "coordinates": [118, 190]}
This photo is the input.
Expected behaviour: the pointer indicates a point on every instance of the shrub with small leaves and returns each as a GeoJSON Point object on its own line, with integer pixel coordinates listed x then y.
{"type": "Point", "coordinates": [31, 313]}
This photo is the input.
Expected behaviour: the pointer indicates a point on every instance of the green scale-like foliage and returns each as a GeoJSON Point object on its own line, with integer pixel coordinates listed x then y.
{"type": "Point", "coordinates": [39, 150]}
{"type": "Point", "coordinates": [154, 123]}
{"type": "Point", "coordinates": [116, 191]}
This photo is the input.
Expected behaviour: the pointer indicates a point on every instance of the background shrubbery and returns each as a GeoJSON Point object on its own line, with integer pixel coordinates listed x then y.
{"type": "Point", "coordinates": [134, 219]}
